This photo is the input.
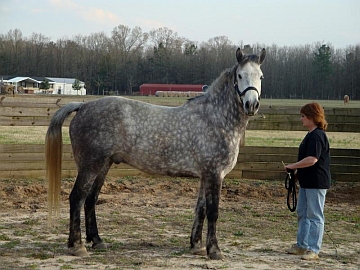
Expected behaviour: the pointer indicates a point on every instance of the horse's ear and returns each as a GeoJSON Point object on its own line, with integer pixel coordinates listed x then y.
{"type": "Point", "coordinates": [262, 56]}
{"type": "Point", "coordinates": [239, 55]}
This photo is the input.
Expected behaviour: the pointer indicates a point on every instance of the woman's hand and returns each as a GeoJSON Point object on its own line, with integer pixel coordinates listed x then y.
{"type": "Point", "coordinates": [290, 167]}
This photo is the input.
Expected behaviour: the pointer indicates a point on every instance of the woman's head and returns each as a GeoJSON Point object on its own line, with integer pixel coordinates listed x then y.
{"type": "Point", "coordinates": [315, 112]}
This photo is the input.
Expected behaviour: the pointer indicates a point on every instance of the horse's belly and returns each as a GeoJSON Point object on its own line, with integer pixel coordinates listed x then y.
{"type": "Point", "coordinates": [172, 163]}
{"type": "Point", "coordinates": [163, 168]}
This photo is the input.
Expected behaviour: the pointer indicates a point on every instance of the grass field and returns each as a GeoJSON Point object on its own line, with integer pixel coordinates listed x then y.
{"type": "Point", "coordinates": [36, 135]}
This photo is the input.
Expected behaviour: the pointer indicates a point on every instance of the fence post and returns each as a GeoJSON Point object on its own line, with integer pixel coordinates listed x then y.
{"type": "Point", "coordinates": [242, 140]}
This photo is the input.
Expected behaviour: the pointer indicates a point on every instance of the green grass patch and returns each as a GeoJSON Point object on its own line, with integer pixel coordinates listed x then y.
{"type": "Point", "coordinates": [11, 244]}
{"type": "Point", "coordinates": [4, 237]}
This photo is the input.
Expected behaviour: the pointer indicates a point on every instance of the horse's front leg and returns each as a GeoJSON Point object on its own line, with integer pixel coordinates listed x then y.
{"type": "Point", "coordinates": [212, 196]}
{"type": "Point", "coordinates": [77, 197]}
{"type": "Point", "coordinates": [196, 245]}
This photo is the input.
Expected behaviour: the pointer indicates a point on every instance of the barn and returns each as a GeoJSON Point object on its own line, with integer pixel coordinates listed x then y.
{"type": "Point", "coordinates": [150, 89]}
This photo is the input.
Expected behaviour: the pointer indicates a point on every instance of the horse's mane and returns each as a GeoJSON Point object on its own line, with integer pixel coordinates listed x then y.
{"type": "Point", "coordinates": [219, 83]}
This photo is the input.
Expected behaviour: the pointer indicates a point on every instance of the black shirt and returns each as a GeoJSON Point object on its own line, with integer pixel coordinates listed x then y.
{"type": "Point", "coordinates": [315, 144]}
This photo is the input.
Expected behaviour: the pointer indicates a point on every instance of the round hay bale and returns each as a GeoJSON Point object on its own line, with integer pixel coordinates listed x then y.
{"type": "Point", "coordinates": [7, 89]}
{"type": "Point", "coordinates": [20, 89]}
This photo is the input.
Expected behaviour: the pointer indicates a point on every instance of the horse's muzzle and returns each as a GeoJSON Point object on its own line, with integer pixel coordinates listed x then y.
{"type": "Point", "coordinates": [251, 108]}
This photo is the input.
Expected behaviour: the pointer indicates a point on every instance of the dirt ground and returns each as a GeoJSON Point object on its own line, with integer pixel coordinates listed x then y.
{"type": "Point", "coordinates": [146, 224]}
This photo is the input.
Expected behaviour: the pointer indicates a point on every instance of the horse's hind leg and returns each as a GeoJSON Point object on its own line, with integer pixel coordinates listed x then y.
{"type": "Point", "coordinates": [92, 234]}
{"type": "Point", "coordinates": [83, 184]}
{"type": "Point", "coordinates": [196, 245]}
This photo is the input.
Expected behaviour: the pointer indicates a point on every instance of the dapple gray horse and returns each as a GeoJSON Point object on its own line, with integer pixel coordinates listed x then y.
{"type": "Point", "coordinates": [198, 139]}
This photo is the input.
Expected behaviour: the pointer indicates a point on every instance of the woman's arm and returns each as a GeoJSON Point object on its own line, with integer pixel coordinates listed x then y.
{"type": "Point", "coordinates": [305, 162]}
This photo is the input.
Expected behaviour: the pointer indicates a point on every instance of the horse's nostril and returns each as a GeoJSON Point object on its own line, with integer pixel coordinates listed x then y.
{"type": "Point", "coordinates": [247, 105]}
{"type": "Point", "coordinates": [257, 105]}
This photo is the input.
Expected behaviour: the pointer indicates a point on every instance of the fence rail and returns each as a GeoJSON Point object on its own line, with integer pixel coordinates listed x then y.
{"type": "Point", "coordinates": [253, 162]}
{"type": "Point", "coordinates": [32, 111]}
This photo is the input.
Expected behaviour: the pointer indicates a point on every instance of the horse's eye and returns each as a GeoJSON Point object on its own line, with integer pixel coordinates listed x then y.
{"type": "Point", "coordinates": [239, 76]}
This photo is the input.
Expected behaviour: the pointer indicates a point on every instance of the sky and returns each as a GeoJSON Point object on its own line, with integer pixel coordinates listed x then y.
{"type": "Point", "coordinates": [264, 22]}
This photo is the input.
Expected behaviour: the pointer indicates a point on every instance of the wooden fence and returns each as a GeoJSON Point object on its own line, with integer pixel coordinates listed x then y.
{"type": "Point", "coordinates": [33, 110]}
{"type": "Point", "coordinates": [27, 161]}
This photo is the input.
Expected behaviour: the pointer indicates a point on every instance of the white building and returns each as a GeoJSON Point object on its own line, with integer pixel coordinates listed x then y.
{"type": "Point", "coordinates": [64, 86]}
{"type": "Point", "coordinates": [25, 85]}
{"type": "Point", "coordinates": [31, 85]}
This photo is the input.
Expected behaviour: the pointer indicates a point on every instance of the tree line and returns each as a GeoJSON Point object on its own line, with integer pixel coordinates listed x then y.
{"type": "Point", "coordinates": [129, 57]}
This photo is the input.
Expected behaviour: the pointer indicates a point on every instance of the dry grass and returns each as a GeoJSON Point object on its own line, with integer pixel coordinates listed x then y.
{"type": "Point", "coordinates": [146, 223]}
{"type": "Point", "coordinates": [293, 138]}
{"type": "Point", "coordinates": [36, 135]}
{"type": "Point", "coordinates": [27, 135]}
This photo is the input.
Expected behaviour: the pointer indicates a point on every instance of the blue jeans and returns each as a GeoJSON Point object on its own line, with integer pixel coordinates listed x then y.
{"type": "Point", "coordinates": [310, 211]}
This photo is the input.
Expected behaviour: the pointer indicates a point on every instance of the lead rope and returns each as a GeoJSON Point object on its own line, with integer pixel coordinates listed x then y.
{"type": "Point", "coordinates": [290, 185]}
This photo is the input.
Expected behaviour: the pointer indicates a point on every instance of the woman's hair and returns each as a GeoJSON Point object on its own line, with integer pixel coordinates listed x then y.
{"type": "Point", "coordinates": [315, 112]}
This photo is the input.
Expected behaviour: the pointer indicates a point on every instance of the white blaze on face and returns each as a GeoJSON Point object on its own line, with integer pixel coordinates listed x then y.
{"type": "Point", "coordinates": [250, 76]}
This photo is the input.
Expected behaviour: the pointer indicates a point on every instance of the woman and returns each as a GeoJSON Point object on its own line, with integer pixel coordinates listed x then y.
{"type": "Point", "coordinates": [313, 172]}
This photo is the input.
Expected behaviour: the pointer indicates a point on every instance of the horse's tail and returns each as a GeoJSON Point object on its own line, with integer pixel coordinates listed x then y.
{"type": "Point", "coordinates": [53, 156]}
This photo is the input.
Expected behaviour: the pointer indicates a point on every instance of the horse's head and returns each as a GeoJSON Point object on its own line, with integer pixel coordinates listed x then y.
{"type": "Point", "coordinates": [247, 81]}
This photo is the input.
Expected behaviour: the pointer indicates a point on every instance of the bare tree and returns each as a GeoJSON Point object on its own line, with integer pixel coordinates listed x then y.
{"type": "Point", "coordinates": [126, 46]}
{"type": "Point", "coordinates": [129, 57]}
{"type": "Point", "coordinates": [38, 44]}
{"type": "Point", "coordinates": [14, 46]}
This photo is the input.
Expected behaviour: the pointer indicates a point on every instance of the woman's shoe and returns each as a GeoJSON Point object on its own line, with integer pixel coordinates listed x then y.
{"type": "Point", "coordinates": [296, 250]}
{"type": "Point", "coordinates": [309, 255]}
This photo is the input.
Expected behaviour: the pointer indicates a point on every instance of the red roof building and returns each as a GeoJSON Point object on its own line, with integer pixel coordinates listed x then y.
{"type": "Point", "coordinates": [148, 89]}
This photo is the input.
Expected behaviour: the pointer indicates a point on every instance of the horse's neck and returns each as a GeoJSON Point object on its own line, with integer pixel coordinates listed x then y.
{"type": "Point", "coordinates": [227, 109]}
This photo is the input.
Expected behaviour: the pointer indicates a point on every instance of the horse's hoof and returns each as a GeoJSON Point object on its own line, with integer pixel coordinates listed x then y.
{"type": "Point", "coordinates": [214, 253]}
{"type": "Point", "coordinates": [79, 251]}
{"type": "Point", "coordinates": [100, 245]}
{"type": "Point", "coordinates": [198, 251]}
{"type": "Point", "coordinates": [216, 256]}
